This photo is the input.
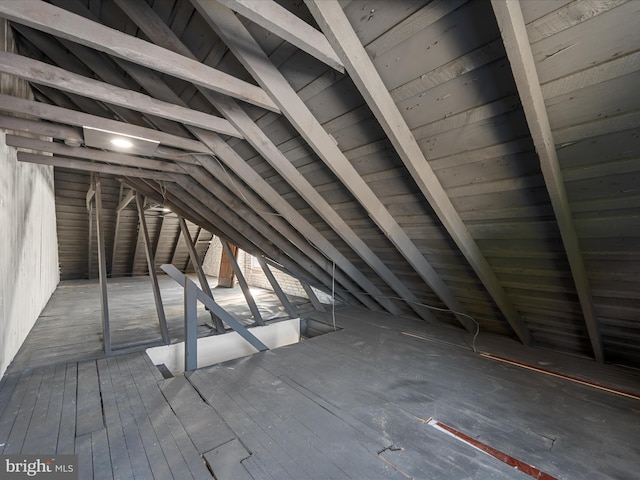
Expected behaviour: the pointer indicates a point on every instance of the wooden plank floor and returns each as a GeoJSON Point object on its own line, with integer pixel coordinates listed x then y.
{"type": "Point", "coordinates": [70, 326]}
{"type": "Point", "coordinates": [352, 404]}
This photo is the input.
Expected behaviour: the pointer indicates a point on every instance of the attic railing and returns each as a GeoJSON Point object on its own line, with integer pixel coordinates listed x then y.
{"type": "Point", "coordinates": [193, 294]}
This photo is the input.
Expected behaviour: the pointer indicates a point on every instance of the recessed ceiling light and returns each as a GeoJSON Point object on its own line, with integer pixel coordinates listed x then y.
{"type": "Point", "coordinates": [121, 142]}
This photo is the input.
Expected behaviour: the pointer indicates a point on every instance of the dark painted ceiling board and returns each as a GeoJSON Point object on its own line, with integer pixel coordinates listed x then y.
{"type": "Point", "coordinates": [594, 102]}
{"type": "Point", "coordinates": [450, 37]}
{"type": "Point", "coordinates": [575, 49]}
{"type": "Point", "coordinates": [371, 19]}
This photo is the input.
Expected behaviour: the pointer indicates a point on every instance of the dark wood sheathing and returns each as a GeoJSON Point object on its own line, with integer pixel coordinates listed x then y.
{"type": "Point", "coordinates": [446, 69]}
{"type": "Point", "coordinates": [73, 224]}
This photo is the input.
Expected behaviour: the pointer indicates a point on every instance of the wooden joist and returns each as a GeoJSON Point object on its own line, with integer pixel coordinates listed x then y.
{"type": "Point", "coordinates": [45, 74]}
{"type": "Point", "coordinates": [59, 22]}
{"type": "Point", "coordinates": [287, 26]}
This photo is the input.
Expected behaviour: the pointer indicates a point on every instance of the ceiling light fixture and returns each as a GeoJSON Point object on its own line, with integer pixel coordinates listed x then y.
{"type": "Point", "coordinates": [119, 142]}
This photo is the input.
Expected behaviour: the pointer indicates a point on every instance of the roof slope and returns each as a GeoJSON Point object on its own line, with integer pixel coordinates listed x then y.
{"type": "Point", "coordinates": [408, 152]}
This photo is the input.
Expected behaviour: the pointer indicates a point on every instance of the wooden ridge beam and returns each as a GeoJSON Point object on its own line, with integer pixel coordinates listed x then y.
{"type": "Point", "coordinates": [287, 26]}
{"type": "Point", "coordinates": [516, 42]}
{"type": "Point", "coordinates": [45, 74]}
{"type": "Point", "coordinates": [250, 54]}
{"type": "Point", "coordinates": [341, 35]}
{"type": "Point", "coordinates": [61, 23]}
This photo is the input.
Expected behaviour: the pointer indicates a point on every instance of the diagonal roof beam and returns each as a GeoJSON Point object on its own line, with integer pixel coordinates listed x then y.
{"type": "Point", "coordinates": [516, 42]}
{"type": "Point", "coordinates": [287, 26]}
{"type": "Point", "coordinates": [61, 23]}
{"type": "Point", "coordinates": [158, 32]}
{"type": "Point", "coordinates": [45, 74]}
{"type": "Point", "coordinates": [251, 55]}
{"type": "Point", "coordinates": [341, 35]}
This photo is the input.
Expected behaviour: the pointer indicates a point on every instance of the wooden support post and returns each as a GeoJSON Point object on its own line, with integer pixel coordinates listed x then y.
{"type": "Point", "coordinates": [208, 302]}
{"type": "Point", "coordinates": [226, 271]}
{"type": "Point", "coordinates": [195, 241]}
{"type": "Point", "coordinates": [312, 297]}
{"type": "Point", "coordinates": [90, 195]}
{"type": "Point", "coordinates": [90, 244]}
{"type": "Point", "coordinates": [190, 326]}
{"type": "Point", "coordinates": [292, 311]}
{"type": "Point", "coordinates": [244, 286]}
{"type": "Point", "coordinates": [204, 283]}
{"type": "Point", "coordinates": [159, 33]}
{"type": "Point", "coordinates": [116, 231]}
{"type": "Point", "coordinates": [152, 270]}
{"type": "Point", "coordinates": [102, 266]}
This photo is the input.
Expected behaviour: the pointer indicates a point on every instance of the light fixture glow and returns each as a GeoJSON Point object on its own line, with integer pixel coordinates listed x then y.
{"type": "Point", "coordinates": [121, 143]}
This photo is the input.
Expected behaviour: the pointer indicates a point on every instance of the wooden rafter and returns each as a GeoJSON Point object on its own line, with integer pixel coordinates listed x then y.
{"type": "Point", "coordinates": [158, 32]}
{"type": "Point", "coordinates": [202, 208]}
{"type": "Point", "coordinates": [60, 56]}
{"type": "Point", "coordinates": [259, 233]}
{"type": "Point", "coordinates": [45, 74]}
{"type": "Point", "coordinates": [516, 42]}
{"type": "Point", "coordinates": [155, 86]}
{"type": "Point", "coordinates": [251, 55]}
{"type": "Point", "coordinates": [59, 22]}
{"type": "Point", "coordinates": [343, 38]}
{"type": "Point", "coordinates": [287, 26]}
